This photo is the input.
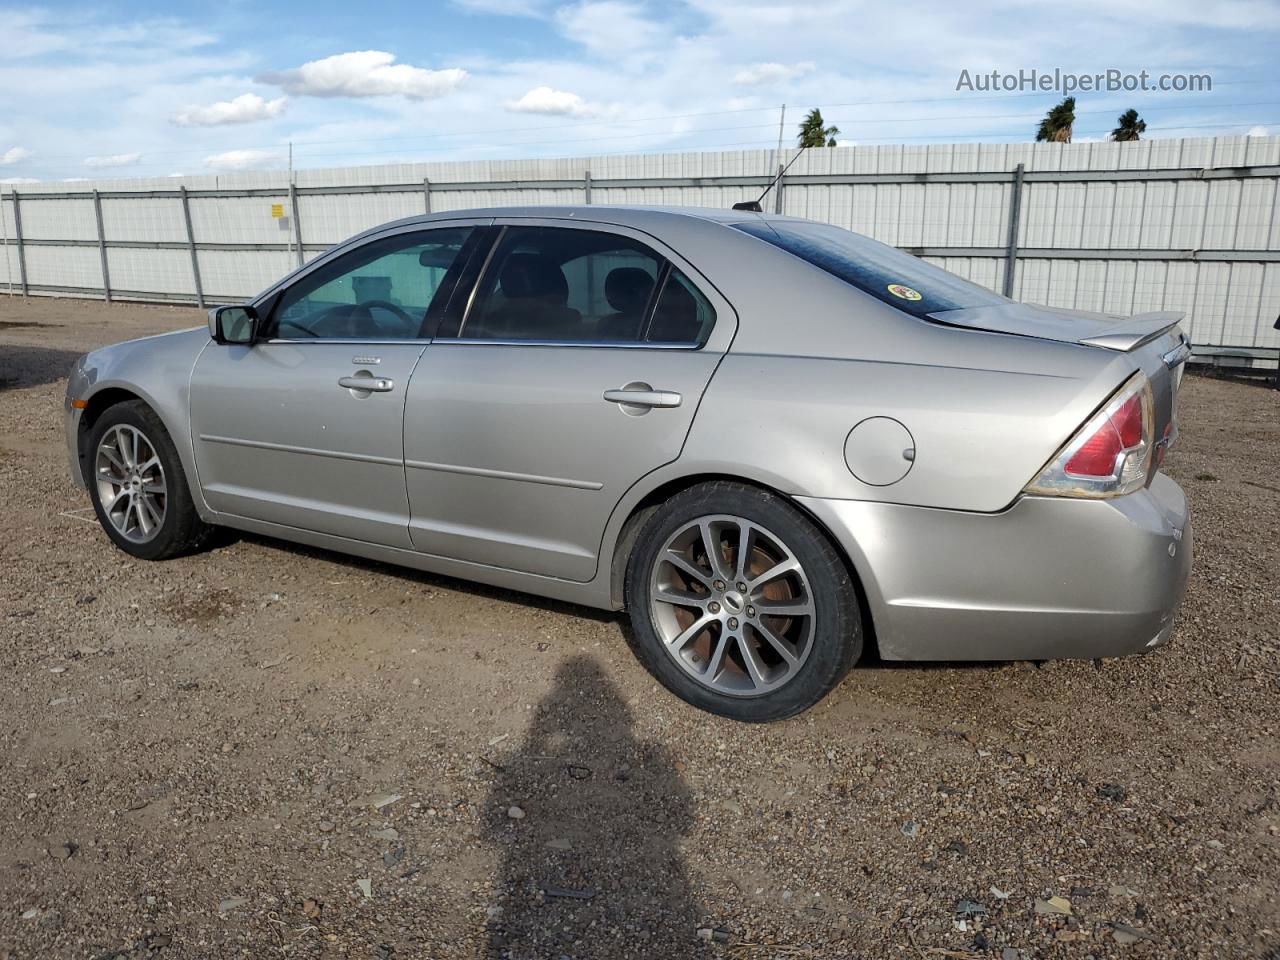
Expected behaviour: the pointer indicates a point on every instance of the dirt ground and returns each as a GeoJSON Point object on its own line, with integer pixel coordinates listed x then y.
{"type": "Point", "coordinates": [269, 751]}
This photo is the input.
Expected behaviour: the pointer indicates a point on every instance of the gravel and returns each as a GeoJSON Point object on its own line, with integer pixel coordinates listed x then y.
{"type": "Point", "coordinates": [190, 750]}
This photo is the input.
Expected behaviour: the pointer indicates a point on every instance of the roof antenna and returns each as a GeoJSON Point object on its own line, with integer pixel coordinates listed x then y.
{"type": "Point", "coordinates": [754, 205]}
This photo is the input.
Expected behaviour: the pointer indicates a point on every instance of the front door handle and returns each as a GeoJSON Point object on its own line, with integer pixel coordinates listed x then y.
{"type": "Point", "coordinates": [370, 384]}
{"type": "Point", "coordinates": [644, 398]}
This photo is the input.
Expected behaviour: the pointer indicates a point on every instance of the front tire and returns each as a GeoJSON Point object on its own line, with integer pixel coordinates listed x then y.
{"type": "Point", "coordinates": [138, 487]}
{"type": "Point", "coordinates": [740, 605]}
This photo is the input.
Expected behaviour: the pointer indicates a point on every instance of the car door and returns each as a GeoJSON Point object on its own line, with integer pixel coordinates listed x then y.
{"type": "Point", "coordinates": [575, 370]}
{"type": "Point", "coordinates": [305, 426]}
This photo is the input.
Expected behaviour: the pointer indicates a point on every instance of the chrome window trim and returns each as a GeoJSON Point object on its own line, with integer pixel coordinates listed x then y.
{"type": "Point", "coordinates": [577, 344]}
{"type": "Point", "coordinates": [419, 341]}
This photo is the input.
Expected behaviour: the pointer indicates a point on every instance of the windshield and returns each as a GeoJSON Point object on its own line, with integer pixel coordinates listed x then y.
{"type": "Point", "coordinates": [897, 278]}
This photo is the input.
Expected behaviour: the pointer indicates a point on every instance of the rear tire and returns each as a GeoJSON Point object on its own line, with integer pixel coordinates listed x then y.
{"type": "Point", "coordinates": [739, 604]}
{"type": "Point", "coordinates": [138, 486]}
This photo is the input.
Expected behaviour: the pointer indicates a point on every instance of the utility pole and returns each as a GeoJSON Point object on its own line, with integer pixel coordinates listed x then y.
{"type": "Point", "coordinates": [782, 122]}
{"type": "Point", "coordinates": [291, 213]}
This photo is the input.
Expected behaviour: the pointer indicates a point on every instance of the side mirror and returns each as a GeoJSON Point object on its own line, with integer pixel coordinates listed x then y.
{"type": "Point", "coordinates": [233, 324]}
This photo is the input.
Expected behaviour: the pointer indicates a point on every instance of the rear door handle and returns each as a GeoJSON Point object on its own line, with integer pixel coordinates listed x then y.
{"type": "Point", "coordinates": [644, 398]}
{"type": "Point", "coordinates": [372, 384]}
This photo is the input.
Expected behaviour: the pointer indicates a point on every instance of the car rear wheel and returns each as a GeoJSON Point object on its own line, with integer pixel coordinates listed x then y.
{"type": "Point", "coordinates": [739, 604]}
{"type": "Point", "coordinates": [138, 487]}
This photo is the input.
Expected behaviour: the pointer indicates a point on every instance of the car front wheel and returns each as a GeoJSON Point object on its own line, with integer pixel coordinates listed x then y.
{"type": "Point", "coordinates": [138, 487]}
{"type": "Point", "coordinates": [739, 604]}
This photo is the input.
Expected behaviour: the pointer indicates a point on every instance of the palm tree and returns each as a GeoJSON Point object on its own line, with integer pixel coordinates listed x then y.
{"type": "Point", "coordinates": [1056, 125]}
{"type": "Point", "coordinates": [1130, 127]}
{"type": "Point", "coordinates": [814, 134]}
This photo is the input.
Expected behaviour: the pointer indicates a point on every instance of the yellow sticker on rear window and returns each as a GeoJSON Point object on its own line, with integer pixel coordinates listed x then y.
{"type": "Point", "coordinates": [906, 293]}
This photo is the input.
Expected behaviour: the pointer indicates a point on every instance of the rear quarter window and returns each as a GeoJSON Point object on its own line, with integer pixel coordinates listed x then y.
{"type": "Point", "coordinates": [897, 278]}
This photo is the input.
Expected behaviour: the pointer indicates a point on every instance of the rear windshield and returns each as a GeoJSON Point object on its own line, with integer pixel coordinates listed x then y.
{"type": "Point", "coordinates": [897, 278]}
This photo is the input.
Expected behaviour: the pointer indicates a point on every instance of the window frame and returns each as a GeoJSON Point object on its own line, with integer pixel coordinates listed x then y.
{"type": "Point", "coordinates": [666, 263]}
{"type": "Point", "coordinates": [268, 302]}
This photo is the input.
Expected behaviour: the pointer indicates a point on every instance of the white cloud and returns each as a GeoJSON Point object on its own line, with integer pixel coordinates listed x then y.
{"type": "Point", "coordinates": [246, 108]}
{"type": "Point", "coordinates": [75, 179]}
{"type": "Point", "coordinates": [550, 101]}
{"type": "Point", "coordinates": [19, 180]}
{"type": "Point", "coordinates": [759, 73]}
{"type": "Point", "coordinates": [114, 160]}
{"type": "Point", "coordinates": [243, 160]}
{"type": "Point", "coordinates": [365, 73]}
{"type": "Point", "coordinates": [14, 155]}
{"type": "Point", "coordinates": [1258, 131]}
{"type": "Point", "coordinates": [607, 27]}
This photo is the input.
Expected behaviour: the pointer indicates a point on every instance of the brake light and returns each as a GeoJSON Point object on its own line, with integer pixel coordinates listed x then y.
{"type": "Point", "coordinates": [1111, 454]}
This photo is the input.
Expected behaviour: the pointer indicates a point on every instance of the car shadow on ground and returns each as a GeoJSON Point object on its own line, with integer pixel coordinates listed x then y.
{"type": "Point", "coordinates": [22, 367]}
{"type": "Point", "coordinates": [420, 577]}
{"type": "Point", "coordinates": [870, 658]}
{"type": "Point", "coordinates": [589, 822]}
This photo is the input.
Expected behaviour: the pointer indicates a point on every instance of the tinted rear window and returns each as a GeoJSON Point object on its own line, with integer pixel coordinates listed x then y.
{"type": "Point", "coordinates": [897, 278]}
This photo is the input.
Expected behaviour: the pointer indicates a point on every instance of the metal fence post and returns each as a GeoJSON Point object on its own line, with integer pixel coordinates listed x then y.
{"type": "Point", "coordinates": [777, 191]}
{"type": "Point", "coordinates": [586, 187]}
{"type": "Point", "coordinates": [4, 238]}
{"type": "Point", "coordinates": [17, 236]}
{"type": "Point", "coordinates": [426, 194]}
{"type": "Point", "coordinates": [297, 225]}
{"type": "Point", "coordinates": [102, 247]}
{"type": "Point", "coordinates": [191, 245]}
{"type": "Point", "coordinates": [1015, 216]}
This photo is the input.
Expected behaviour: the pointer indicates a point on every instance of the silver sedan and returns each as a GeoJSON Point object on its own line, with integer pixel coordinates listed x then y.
{"type": "Point", "coordinates": [774, 442]}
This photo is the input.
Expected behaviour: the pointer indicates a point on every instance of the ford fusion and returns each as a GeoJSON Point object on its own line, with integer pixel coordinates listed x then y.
{"type": "Point", "coordinates": [773, 442]}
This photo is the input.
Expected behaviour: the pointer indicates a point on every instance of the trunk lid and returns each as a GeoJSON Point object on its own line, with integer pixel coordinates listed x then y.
{"type": "Point", "coordinates": [1153, 342]}
{"type": "Point", "coordinates": [1104, 330]}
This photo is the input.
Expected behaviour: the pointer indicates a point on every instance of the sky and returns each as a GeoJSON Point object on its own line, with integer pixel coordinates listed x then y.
{"type": "Point", "coordinates": [156, 89]}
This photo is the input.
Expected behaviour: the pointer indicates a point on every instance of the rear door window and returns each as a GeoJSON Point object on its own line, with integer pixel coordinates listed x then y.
{"type": "Point", "coordinates": [562, 285]}
{"type": "Point", "coordinates": [897, 278]}
{"type": "Point", "coordinates": [559, 285]}
{"type": "Point", "coordinates": [682, 314]}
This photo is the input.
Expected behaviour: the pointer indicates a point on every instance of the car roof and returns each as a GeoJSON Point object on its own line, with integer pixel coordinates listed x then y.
{"type": "Point", "coordinates": [627, 216]}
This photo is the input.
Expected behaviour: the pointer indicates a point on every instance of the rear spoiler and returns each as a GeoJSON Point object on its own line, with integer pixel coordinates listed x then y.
{"type": "Point", "coordinates": [1136, 330]}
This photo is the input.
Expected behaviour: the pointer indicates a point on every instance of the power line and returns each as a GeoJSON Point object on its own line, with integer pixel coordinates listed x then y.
{"type": "Point", "coordinates": [608, 121]}
{"type": "Point", "coordinates": [657, 133]}
{"type": "Point", "coordinates": [1029, 118]}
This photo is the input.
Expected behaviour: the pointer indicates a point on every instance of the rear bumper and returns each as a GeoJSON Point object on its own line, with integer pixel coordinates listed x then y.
{"type": "Point", "coordinates": [1050, 577]}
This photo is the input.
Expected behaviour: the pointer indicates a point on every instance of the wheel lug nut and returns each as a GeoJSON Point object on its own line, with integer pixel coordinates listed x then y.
{"type": "Point", "coordinates": [719, 584]}
{"type": "Point", "coordinates": [733, 623]}
{"type": "Point", "coordinates": [713, 607]}
{"type": "Point", "coordinates": [751, 611]}
{"type": "Point", "coordinates": [742, 588]}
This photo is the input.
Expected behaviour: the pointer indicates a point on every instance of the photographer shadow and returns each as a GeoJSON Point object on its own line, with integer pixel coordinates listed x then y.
{"type": "Point", "coordinates": [589, 821]}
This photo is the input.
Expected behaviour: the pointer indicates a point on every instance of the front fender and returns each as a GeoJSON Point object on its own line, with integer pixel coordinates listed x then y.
{"type": "Point", "coordinates": [156, 370]}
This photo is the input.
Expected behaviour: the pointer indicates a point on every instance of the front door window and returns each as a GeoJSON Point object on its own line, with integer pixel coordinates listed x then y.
{"type": "Point", "coordinates": [381, 291]}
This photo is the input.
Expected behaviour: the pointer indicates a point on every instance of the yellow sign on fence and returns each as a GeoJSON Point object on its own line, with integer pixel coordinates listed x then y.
{"type": "Point", "coordinates": [277, 211]}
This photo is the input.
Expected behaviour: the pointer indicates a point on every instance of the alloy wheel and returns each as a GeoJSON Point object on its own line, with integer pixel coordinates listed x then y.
{"type": "Point", "coordinates": [131, 483]}
{"type": "Point", "coordinates": [732, 605]}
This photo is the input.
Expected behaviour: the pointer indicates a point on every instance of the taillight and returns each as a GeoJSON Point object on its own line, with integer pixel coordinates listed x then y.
{"type": "Point", "coordinates": [1111, 454]}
